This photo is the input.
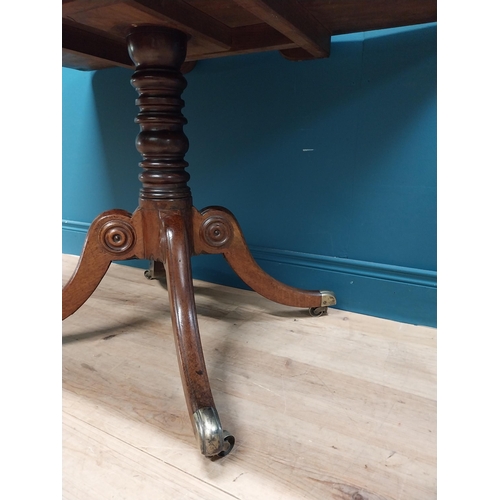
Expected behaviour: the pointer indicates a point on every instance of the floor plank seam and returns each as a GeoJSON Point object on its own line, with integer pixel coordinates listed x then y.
{"type": "Point", "coordinates": [151, 455]}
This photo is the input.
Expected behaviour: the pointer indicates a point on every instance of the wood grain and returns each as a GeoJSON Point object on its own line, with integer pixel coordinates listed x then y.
{"type": "Point", "coordinates": [215, 230]}
{"type": "Point", "coordinates": [294, 21]}
{"type": "Point", "coordinates": [301, 29]}
{"type": "Point", "coordinates": [341, 407]}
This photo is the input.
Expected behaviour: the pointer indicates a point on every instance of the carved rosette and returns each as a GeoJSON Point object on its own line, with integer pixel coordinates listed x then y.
{"type": "Point", "coordinates": [158, 54]}
{"type": "Point", "coordinates": [117, 236]}
{"type": "Point", "coordinates": [216, 231]}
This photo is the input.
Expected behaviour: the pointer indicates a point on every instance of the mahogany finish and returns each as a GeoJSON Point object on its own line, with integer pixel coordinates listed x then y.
{"type": "Point", "coordinates": [114, 235]}
{"type": "Point", "coordinates": [94, 31]}
{"type": "Point", "coordinates": [166, 228]}
{"type": "Point", "coordinates": [152, 36]}
{"type": "Point", "coordinates": [217, 231]}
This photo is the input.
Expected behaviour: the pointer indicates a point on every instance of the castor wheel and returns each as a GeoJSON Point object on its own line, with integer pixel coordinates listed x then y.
{"type": "Point", "coordinates": [318, 311]}
{"type": "Point", "coordinates": [213, 441]}
{"type": "Point", "coordinates": [327, 299]}
{"type": "Point", "coordinates": [156, 271]}
{"type": "Point", "coordinates": [228, 444]}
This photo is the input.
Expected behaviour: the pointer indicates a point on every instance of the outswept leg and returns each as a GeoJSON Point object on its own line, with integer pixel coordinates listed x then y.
{"type": "Point", "coordinates": [167, 229]}
{"type": "Point", "coordinates": [212, 439]}
{"type": "Point", "coordinates": [165, 206]}
{"type": "Point", "coordinates": [111, 236]}
{"type": "Point", "coordinates": [216, 230]}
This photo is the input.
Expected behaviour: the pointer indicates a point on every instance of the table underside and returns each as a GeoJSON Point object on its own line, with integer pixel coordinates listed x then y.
{"type": "Point", "coordinates": [162, 39]}
{"type": "Point", "coordinates": [94, 31]}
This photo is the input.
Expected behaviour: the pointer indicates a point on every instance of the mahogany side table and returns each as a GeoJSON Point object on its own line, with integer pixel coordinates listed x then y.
{"type": "Point", "coordinates": [166, 228]}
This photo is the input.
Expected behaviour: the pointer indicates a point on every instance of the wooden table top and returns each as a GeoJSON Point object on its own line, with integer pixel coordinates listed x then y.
{"type": "Point", "coordinates": [93, 31]}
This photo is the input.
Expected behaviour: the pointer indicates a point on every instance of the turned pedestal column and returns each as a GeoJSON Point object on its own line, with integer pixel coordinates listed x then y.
{"type": "Point", "coordinates": [167, 229]}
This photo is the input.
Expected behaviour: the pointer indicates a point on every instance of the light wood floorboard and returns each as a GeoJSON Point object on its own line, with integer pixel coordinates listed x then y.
{"type": "Point", "coordinates": [337, 407]}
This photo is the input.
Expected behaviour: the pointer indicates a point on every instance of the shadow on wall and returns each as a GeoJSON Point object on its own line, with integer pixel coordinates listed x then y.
{"type": "Point", "coordinates": [114, 100]}
{"type": "Point", "coordinates": [257, 102]}
{"type": "Point", "coordinates": [333, 158]}
{"type": "Point", "coordinates": [310, 156]}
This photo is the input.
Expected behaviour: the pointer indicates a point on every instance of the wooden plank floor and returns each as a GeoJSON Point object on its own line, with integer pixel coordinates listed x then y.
{"type": "Point", "coordinates": [337, 407]}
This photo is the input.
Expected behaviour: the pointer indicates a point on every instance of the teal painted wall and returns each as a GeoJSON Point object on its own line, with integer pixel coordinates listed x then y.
{"type": "Point", "coordinates": [329, 165]}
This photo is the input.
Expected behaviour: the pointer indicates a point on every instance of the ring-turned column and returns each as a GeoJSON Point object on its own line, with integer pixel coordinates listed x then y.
{"type": "Point", "coordinates": [165, 206]}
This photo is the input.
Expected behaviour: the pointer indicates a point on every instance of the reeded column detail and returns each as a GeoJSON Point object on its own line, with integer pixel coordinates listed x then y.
{"type": "Point", "coordinates": [158, 54]}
